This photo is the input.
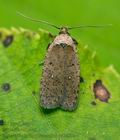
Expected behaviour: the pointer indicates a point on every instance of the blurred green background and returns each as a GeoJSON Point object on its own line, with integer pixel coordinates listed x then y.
{"type": "Point", "coordinates": [105, 41]}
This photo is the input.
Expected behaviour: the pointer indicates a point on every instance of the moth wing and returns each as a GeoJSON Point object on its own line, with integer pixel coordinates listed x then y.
{"type": "Point", "coordinates": [71, 79]}
{"type": "Point", "coordinates": [52, 78]}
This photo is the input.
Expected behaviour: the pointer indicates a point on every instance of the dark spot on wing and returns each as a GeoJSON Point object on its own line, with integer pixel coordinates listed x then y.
{"type": "Point", "coordinates": [100, 91]}
{"type": "Point", "coordinates": [50, 63]}
{"type": "Point", "coordinates": [6, 87]}
{"type": "Point", "coordinates": [1, 122]}
{"type": "Point", "coordinates": [8, 40]}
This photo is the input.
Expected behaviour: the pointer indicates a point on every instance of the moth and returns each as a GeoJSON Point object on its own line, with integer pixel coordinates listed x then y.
{"type": "Point", "coordinates": [61, 71]}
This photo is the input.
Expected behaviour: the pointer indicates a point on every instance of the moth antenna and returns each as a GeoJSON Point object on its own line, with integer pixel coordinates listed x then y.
{"type": "Point", "coordinates": [90, 26]}
{"type": "Point", "coordinates": [37, 20]}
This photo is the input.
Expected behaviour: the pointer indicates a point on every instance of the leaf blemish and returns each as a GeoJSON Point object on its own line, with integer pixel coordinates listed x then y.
{"type": "Point", "coordinates": [33, 92]}
{"type": "Point", "coordinates": [93, 103]}
{"type": "Point", "coordinates": [1, 122]}
{"type": "Point", "coordinates": [93, 74]}
{"type": "Point", "coordinates": [8, 40]}
{"type": "Point", "coordinates": [6, 87]}
{"type": "Point", "coordinates": [100, 91]}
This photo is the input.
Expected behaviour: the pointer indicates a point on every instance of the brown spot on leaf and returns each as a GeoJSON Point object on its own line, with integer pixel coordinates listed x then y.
{"type": "Point", "coordinates": [101, 91]}
{"type": "Point", "coordinates": [8, 40]}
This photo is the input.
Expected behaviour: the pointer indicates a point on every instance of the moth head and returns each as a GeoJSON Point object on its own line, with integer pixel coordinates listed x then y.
{"type": "Point", "coordinates": [63, 30]}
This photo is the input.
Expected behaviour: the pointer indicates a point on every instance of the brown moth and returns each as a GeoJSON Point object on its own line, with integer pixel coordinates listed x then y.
{"type": "Point", "coordinates": [61, 71]}
{"type": "Point", "coordinates": [61, 74]}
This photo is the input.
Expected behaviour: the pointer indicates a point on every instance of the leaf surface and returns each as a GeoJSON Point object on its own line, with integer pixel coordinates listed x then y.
{"type": "Point", "coordinates": [19, 107]}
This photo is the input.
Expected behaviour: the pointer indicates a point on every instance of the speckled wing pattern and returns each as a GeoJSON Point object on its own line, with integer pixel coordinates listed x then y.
{"type": "Point", "coordinates": [60, 79]}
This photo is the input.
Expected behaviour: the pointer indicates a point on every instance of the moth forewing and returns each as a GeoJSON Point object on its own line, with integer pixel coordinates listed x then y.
{"type": "Point", "coordinates": [71, 80]}
{"type": "Point", "coordinates": [61, 74]}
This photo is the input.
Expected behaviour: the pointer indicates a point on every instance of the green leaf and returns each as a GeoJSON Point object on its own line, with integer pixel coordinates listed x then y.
{"type": "Point", "coordinates": [20, 110]}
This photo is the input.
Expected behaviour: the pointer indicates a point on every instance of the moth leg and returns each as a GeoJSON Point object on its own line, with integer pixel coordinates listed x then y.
{"type": "Point", "coordinates": [75, 41]}
{"type": "Point", "coordinates": [53, 37]}
{"type": "Point", "coordinates": [48, 46]}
